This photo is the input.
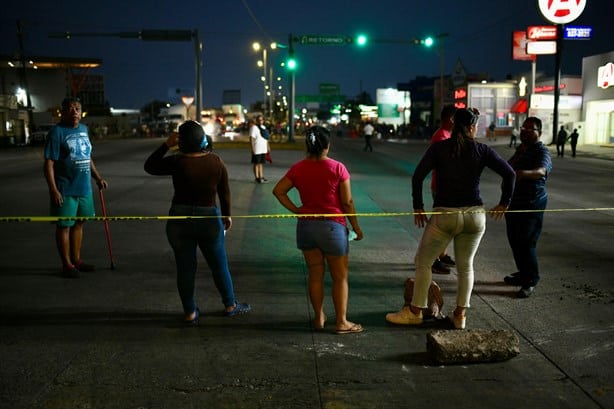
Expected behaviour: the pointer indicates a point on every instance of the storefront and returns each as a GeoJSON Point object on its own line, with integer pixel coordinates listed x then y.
{"type": "Point", "coordinates": [598, 93]}
{"type": "Point", "coordinates": [493, 100]}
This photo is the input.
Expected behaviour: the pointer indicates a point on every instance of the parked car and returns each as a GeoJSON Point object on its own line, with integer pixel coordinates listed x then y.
{"type": "Point", "coordinates": [39, 136]}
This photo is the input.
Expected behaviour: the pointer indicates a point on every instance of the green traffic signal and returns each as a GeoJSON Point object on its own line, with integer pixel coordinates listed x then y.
{"type": "Point", "coordinates": [361, 40]}
{"type": "Point", "coordinates": [291, 64]}
{"type": "Point", "coordinates": [428, 42]}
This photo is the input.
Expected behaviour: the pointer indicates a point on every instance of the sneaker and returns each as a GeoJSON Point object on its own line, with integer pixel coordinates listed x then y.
{"type": "Point", "coordinates": [525, 292]}
{"type": "Point", "coordinates": [84, 267]}
{"type": "Point", "coordinates": [404, 317]}
{"type": "Point", "coordinates": [264, 180]}
{"type": "Point", "coordinates": [240, 308]}
{"type": "Point", "coordinates": [70, 272]}
{"type": "Point", "coordinates": [458, 322]}
{"type": "Point", "coordinates": [514, 280]}
{"type": "Point", "coordinates": [447, 260]}
{"type": "Point", "coordinates": [440, 268]}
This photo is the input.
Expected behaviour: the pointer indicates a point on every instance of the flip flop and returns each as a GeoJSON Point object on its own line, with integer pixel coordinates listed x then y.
{"type": "Point", "coordinates": [354, 329]}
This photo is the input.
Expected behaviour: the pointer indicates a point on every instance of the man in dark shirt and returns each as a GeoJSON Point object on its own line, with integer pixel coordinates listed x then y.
{"type": "Point", "coordinates": [561, 138]}
{"type": "Point", "coordinates": [532, 164]}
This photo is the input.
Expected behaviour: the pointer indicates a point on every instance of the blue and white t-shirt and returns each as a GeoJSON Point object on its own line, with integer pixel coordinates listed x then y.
{"type": "Point", "coordinates": [71, 150]}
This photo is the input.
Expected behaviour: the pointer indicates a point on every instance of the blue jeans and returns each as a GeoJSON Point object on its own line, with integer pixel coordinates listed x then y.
{"type": "Point", "coordinates": [523, 231]}
{"type": "Point", "coordinates": [208, 235]}
{"type": "Point", "coordinates": [464, 225]}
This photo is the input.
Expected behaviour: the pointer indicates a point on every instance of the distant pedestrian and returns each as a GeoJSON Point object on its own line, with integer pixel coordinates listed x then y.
{"type": "Point", "coordinates": [259, 135]}
{"type": "Point", "coordinates": [459, 213]}
{"type": "Point", "coordinates": [532, 164]}
{"type": "Point", "coordinates": [368, 131]}
{"type": "Point", "coordinates": [573, 141]}
{"type": "Point", "coordinates": [514, 137]}
{"type": "Point", "coordinates": [199, 178]}
{"type": "Point", "coordinates": [324, 188]}
{"type": "Point", "coordinates": [561, 138]}
{"type": "Point", "coordinates": [492, 129]}
{"type": "Point", "coordinates": [68, 170]}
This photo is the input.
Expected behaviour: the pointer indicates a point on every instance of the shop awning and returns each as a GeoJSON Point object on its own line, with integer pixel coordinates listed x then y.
{"type": "Point", "coordinates": [520, 106]}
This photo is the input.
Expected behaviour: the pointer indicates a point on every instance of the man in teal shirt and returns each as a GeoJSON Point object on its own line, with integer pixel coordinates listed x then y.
{"type": "Point", "coordinates": [68, 169]}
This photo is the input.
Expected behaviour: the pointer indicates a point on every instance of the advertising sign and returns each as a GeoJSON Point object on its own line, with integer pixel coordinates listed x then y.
{"type": "Point", "coordinates": [541, 47]}
{"type": "Point", "coordinates": [519, 47]}
{"type": "Point", "coordinates": [561, 11]}
{"type": "Point", "coordinates": [605, 76]}
{"type": "Point", "coordinates": [541, 32]}
{"type": "Point", "coordinates": [577, 32]}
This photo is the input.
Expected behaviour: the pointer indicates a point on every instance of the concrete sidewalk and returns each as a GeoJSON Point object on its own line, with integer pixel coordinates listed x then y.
{"type": "Point", "coordinates": [114, 338]}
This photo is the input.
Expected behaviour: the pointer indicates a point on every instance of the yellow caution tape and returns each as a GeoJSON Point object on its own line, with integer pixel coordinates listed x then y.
{"type": "Point", "coordinates": [47, 219]}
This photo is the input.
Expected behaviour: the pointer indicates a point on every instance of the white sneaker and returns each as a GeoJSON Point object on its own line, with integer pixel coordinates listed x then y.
{"type": "Point", "coordinates": [404, 317]}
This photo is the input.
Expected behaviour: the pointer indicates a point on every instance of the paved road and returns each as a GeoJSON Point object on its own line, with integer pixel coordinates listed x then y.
{"type": "Point", "coordinates": [113, 339]}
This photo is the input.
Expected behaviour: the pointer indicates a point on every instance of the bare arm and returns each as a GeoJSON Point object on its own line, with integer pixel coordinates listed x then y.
{"type": "Point", "coordinates": [102, 184]}
{"type": "Point", "coordinates": [348, 207]}
{"type": "Point", "coordinates": [280, 191]}
{"type": "Point", "coordinates": [531, 174]}
{"type": "Point", "coordinates": [54, 193]}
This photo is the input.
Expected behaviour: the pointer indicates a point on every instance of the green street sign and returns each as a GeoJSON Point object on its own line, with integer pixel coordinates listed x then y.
{"type": "Point", "coordinates": [323, 40]}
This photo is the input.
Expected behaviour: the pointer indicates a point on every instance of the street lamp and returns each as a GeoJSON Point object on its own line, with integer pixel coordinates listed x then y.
{"type": "Point", "coordinates": [267, 83]}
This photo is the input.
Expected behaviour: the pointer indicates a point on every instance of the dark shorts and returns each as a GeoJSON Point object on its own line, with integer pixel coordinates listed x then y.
{"type": "Point", "coordinates": [328, 236]}
{"type": "Point", "coordinates": [260, 158]}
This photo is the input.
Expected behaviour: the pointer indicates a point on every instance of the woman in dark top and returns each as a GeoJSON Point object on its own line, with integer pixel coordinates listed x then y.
{"type": "Point", "coordinates": [458, 212]}
{"type": "Point", "coordinates": [199, 176]}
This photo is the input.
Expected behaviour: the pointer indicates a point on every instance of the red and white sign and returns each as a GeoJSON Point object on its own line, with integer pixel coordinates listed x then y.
{"type": "Point", "coordinates": [541, 47]}
{"type": "Point", "coordinates": [519, 47]}
{"type": "Point", "coordinates": [605, 76]}
{"type": "Point", "coordinates": [541, 32]}
{"type": "Point", "coordinates": [561, 11]}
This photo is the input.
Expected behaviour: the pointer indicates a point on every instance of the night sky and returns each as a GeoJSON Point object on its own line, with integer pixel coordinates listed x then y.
{"type": "Point", "coordinates": [137, 72]}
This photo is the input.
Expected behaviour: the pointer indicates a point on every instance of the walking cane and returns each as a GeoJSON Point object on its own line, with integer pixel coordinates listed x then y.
{"type": "Point", "coordinates": [106, 229]}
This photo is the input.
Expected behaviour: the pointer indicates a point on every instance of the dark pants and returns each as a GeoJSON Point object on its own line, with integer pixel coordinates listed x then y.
{"type": "Point", "coordinates": [368, 143]}
{"type": "Point", "coordinates": [523, 231]}
{"type": "Point", "coordinates": [560, 149]}
{"type": "Point", "coordinates": [207, 234]}
{"type": "Point", "coordinates": [573, 150]}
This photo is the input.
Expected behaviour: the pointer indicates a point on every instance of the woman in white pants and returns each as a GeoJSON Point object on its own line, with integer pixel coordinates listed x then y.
{"type": "Point", "coordinates": [458, 212]}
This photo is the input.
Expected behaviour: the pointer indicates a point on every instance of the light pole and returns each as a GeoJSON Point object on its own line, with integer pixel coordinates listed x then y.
{"type": "Point", "coordinates": [267, 78]}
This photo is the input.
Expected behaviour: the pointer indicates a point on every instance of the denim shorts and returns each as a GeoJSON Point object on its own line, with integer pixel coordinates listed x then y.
{"type": "Point", "coordinates": [73, 206]}
{"type": "Point", "coordinates": [328, 236]}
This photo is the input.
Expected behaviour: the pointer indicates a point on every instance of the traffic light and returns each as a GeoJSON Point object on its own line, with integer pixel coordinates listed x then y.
{"type": "Point", "coordinates": [428, 42]}
{"type": "Point", "coordinates": [361, 40]}
{"type": "Point", "coordinates": [291, 64]}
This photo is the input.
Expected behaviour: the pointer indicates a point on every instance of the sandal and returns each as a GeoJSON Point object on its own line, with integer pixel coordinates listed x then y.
{"type": "Point", "coordinates": [354, 329]}
{"type": "Point", "coordinates": [240, 308]}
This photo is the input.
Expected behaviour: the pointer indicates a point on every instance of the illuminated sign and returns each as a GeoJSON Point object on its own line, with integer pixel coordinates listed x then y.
{"type": "Point", "coordinates": [605, 76]}
{"type": "Point", "coordinates": [561, 11]}
{"type": "Point", "coordinates": [541, 33]}
{"type": "Point", "coordinates": [460, 93]}
{"type": "Point", "coordinates": [541, 47]}
{"type": "Point", "coordinates": [548, 88]}
{"type": "Point", "coordinates": [519, 47]}
{"type": "Point", "coordinates": [577, 32]}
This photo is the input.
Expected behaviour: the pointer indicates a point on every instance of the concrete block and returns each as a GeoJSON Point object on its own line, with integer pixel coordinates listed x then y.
{"type": "Point", "coordinates": [472, 346]}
